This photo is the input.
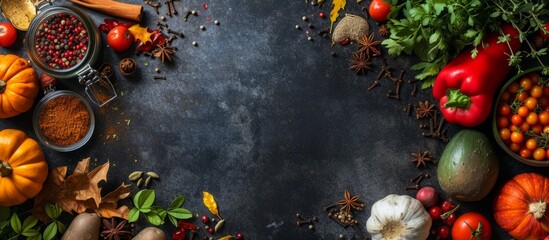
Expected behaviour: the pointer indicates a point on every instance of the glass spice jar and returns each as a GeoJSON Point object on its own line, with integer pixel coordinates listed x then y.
{"type": "Point", "coordinates": [63, 42]}
{"type": "Point", "coordinates": [63, 120]}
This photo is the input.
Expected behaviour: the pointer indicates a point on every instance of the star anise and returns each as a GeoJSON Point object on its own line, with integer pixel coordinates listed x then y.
{"type": "Point", "coordinates": [384, 30]}
{"type": "Point", "coordinates": [164, 52]}
{"type": "Point", "coordinates": [422, 158]}
{"type": "Point", "coordinates": [360, 62]}
{"type": "Point", "coordinates": [367, 44]}
{"type": "Point", "coordinates": [425, 110]}
{"type": "Point", "coordinates": [114, 231]}
{"type": "Point", "coordinates": [350, 202]}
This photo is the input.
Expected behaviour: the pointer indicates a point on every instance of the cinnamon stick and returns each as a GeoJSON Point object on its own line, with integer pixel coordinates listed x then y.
{"type": "Point", "coordinates": [132, 12]}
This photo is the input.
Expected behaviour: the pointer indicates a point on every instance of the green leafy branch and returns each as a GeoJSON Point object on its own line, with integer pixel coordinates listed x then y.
{"type": "Point", "coordinates": [11, 227]}
{"type": "Point", "coordinates": [143, 204]}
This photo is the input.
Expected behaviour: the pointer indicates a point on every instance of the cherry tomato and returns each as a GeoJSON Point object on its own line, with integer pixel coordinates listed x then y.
{"type": "Point", "coordinates": [537, 128]}
{"type": "Point", "coordinates": [516, 120]}
{"type": "Point", "coordinates": [547, 153]}
{"type": "Point", "coordinates": [517, 137]}
{"type": "Point", "coordinates": [543, 102]}
{"type": "Point", "coordinates": [539, 154]}
{"type": "Point", "coordinates": [502, 122]}
{"type": "Point", "coordinates": [536, 91]}
{"type": "Point", "coordinates": [505, 96]}
{"type": "Point", "coordinates": [435, 212]}
{"type": "Point", "coordinates": [120, 38]}
{"type": "Point", "coordinates": [543, 118]}
{"type": "Point", "coordinates": [379, 9]}
{"type": "Point", "coordinates": [505, 134]}
{"type": "Point", "coordinates": [504, 110]}
{"type": "Point", "coordinates": [443, 232]}
{"type": "Point", "coordinates": [531, 144]}
{"type": "Point", "coordinates": [524, 127]}
{"type": "Point", "coordinates": [531, 103]}
{"type": "Point", "coordinates": [515, 147]}
{"type": "Point", "coordinates": [545, 128]}
{"type": "Point", "coordinates": [525, 153]}
{"type": "Point", "coordinates": [446, 205]}
{"type": "Point", "coordinates": [472, 225]}
{"type": "Point", "coordinates": [513, 87]}
{"type": "Point", "coordinates": [526, 83]}
{"type": "Point", "coordinates": [532, 118]}
{"type": "Point", "coordinates": [523, 111]}
{"type": "Point", "coordinates": [545, 34]}
{"type": "Point", "coordinates": [451, 219]}
{"type": "Point", "coordinates": [546, 91]}
{"type": "Point", "coordinates": [8, 34]}
{"type": "Point", "coordinates": [522, 96]}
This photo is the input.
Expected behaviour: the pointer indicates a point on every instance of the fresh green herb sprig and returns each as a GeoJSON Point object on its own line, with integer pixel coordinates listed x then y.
{"type": "Point", "coordinates": [11, 227]}
{"type": "Point", "coordinates": [436, 31]}
{"type": "Point", "coordinates": [143, 203]}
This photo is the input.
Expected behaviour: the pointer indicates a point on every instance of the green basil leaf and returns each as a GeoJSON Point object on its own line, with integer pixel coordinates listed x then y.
{"type": "Point", "coordinates": [5, 213]}
{"type": "Point", "coordinates": [51, 211]}
{"type": "Point", "coordinates": [154, 219]}
{"type": "Point", "coordinates": [180, 213]}
{"type": "Point", "coordinates": [29, 222]}
{"type": "Point", "coordinates": [51, 231]}
{"type": "Point", "coordinates": [3, 224]}
{"type": "Point", "coordinates": [177, 202]}
{"type": "Point", "coordinates": [30, 232]}
{"type": "Point", "coordinates": [162, 213]}
{"type": "Point", "coordinates": [173, 220]}
{"type": "Point", "coordinates": [61, 227]}
{"type": "Point", "coordinates": [144, 199]}
{"type": "Point", "coordinates": [15, 223]}
{"type": "Point", "coordinates": [133, 216]}
{"type": "Point", "coordinates": [145, 210]}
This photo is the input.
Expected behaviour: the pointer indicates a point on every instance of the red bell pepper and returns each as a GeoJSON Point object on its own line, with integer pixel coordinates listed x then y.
{"type": "Point", "coordinates": [465, 87]}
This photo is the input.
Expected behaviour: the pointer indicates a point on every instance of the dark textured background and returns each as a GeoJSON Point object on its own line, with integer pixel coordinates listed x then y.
{"type": "Point", "coordinates": [265, 120]}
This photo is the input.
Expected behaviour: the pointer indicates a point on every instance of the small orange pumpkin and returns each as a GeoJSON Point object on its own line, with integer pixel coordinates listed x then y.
{"type": "Point", "coordinates": [521, 208]}
{"type": "Point", "coordinates": [23, 167]}
{"type": "Point", "coordinates": [18, 85]}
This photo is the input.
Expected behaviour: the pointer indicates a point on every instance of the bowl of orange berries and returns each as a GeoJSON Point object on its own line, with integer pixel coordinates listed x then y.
{"type": "Point", "coordinates": [521, 118]}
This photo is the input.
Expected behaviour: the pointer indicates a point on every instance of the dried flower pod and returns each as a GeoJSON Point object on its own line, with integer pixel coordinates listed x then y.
{"type": "Point", "coordinates": [127, 67]}
{"type": "Point", "coordinates": [47, 80]}
{"type": "Point", "coordinates": [134, 176]}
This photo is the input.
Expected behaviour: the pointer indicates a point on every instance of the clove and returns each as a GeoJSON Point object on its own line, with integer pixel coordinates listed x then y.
{"type": "Point", "coordinates": [159, 77]}
{"type": "Point", "coordinates": [414, 91]}
{"type": "Point", "coordinates": [169, 9]}
{"type": "Point", "coordinates": [407, 109]}
{"type": "Point", "coordinates": [374, 84]}
{"type": "Point", "coordinates": [171, 38]}
{"type": "Point", "coordinates": [187, 14]}
{"type": "Point", "coordinates": [155, 6]}
{"type": "Point", "coordinates": [414, 187]}
{"type": "Point", "coordinates": [396, 95]}
{"type": "Point", "coordinates": [416, 178]}
{"type": "Point", "coordinates": [174, 11]}
{"type": "Point", "coordinates": [176, 33]}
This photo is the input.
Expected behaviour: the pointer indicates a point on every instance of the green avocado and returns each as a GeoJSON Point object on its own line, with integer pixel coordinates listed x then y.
{"type": "Point", "coordinates": [468, 168]}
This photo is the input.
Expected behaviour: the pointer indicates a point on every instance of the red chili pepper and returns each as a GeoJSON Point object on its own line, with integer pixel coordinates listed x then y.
{"type": "Point", "coordinates": [465, 87]}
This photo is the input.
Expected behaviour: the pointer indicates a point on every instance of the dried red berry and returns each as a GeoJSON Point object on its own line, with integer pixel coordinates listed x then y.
{"type": "Point", "coordinates": [186, 225]}
{"type": "Point", "coordinates": [239, 236]}
{"type": "Point", "coordinates": [178, 235]}
{"type": "Point", "coordinates": [205, 219]}
{"type": "Point", "coordinates": [322, 15]}
{"type": "Point", "coordinates": [345, 42]}
{"type": "Point", "coordinates": [211, 231]}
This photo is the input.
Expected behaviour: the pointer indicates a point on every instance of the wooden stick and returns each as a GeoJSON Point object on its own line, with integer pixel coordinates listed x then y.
{"type": "Point", "coordinates": [132, 12]}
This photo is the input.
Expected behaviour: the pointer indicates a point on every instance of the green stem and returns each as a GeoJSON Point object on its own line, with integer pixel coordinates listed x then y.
{"type": "Point", "coordinates": [456, 99]}
{"type": "Point", "coordinates": [5, 169]}
{"type": "Point", "coordinates": [2, 86]}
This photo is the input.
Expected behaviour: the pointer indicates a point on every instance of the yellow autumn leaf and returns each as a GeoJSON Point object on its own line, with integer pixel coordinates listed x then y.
{"type": "Point", "coordinates": [140, 33]}
{"type": "Point", "coordinates": [334, 14]}
{"type": "Point", "coordinates": [209, 202]}
{"type": "Point", "coordinates": [226, 237]}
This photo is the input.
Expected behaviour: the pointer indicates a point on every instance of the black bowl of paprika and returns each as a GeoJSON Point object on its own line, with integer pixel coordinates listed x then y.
{"type": "Point", "coordinates": [520, 118]}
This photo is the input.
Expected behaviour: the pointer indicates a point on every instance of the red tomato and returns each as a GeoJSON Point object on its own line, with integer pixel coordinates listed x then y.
{"type": "Point", "coordinates": [472, 225]}
{"type": "Point", "coordinates": [8, 34]}
{"type": "Point", "coordinates": [120, 38]}
{"type": "Point", "coordinates": [543, 34]}
{"type": "Point", "coordinates": [379, 9]}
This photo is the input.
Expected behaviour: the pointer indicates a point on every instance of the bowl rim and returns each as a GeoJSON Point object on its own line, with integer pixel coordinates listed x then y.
{"type": "Point", "coordinates": [495, 131]}
{"type": "Point", "coordinates": [50, 96]}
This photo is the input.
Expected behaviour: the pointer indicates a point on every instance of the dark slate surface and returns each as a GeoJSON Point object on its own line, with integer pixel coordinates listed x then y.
{"type": "Point", "coordinates": [265, 120]}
